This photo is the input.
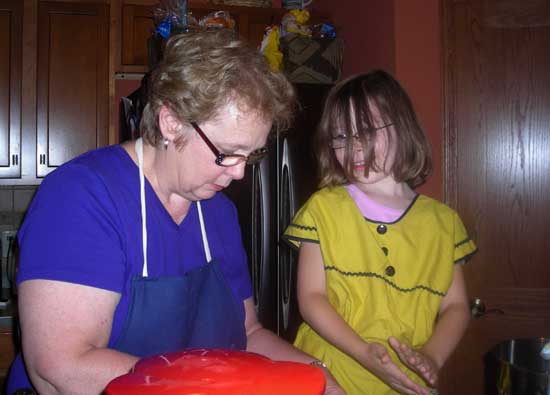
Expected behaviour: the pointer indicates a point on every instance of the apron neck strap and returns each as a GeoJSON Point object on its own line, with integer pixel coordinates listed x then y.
{"type": "Point", "coordinates": [206, 246]}
{"type": "Point", "coordinates": [203, 234]}
{"type": "Point", "coordinates": [139, 153]}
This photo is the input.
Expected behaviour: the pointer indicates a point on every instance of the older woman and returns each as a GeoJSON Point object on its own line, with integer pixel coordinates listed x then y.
{"type": "Point", "coordinates": [129, 251]}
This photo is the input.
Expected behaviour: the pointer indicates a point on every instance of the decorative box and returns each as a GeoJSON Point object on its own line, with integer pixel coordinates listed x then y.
{"type": "Point", "coordinates": [312, 60]}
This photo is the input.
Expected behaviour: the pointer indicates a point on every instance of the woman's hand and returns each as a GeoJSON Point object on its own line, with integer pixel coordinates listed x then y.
{"type": "Point", "coordinates": [262, 341]}
{"type": "Point", "coordinates": [331, 386]}
{"type": "Point", "coordinates": [419, 362]}
{"type": "Point", "coordinates": [377, 360]}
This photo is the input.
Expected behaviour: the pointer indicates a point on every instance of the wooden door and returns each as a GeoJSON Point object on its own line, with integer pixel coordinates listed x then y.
{"type": "Point", "coordinates": [72, 81]}
{"type": "Point", "coordinates": [497, 170]}
{"type": "Point", "coordinates": [11, 22]}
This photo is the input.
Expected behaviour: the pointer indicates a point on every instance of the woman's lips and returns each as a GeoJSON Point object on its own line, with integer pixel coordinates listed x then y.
{"type": "Point", "coordinates": [218, 187]}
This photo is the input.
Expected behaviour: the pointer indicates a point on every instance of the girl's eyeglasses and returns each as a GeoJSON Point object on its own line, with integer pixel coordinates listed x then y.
{"type": "Point", "coordinates": [228, 160]}
{"type": "Point", "coordinates": [340, 141]}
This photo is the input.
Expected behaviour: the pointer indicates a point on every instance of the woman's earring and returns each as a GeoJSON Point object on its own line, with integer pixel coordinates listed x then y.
{"type": "Point", "coordinates": [166, 144]}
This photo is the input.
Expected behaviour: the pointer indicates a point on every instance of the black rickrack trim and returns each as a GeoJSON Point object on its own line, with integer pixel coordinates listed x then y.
{"type": "Point", "coordinates": [465, 258]}
{"type": "Point", "coordinates": [371, 274]}
{"type": "Point", "coordinates": [287, 238]}
{"type": "Point", "coordinates": [462, 242]}
{"type": "Point", "coordinates": [310, 228]}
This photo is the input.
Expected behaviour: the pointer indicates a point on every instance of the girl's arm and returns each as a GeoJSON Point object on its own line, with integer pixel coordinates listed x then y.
{"type": "Point", "coordinates": [454, 316]}
{"type": "Point", "coordinates": [317, 311]}
{"type": "Point", "coordinates": [452, 321]}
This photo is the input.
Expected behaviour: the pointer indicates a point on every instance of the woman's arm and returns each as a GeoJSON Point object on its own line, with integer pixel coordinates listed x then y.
{"type": "Point", "coordinates": [262, 341]}
{"type": "Point", "coordinates": [65, 331]}
{"type": "Point", "coordinates": [452, 321]}
{"type": "Point", "coordinates": [321, 316]}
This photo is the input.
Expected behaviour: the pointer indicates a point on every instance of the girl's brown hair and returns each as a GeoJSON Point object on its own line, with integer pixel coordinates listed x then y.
{"type": "Point", "coordinates": [349, 108]}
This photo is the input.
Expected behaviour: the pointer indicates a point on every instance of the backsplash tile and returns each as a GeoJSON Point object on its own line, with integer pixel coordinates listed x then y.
{"type": "Point", "coordinates": [14, 202]}
{"type": "Point", "coordinates": [22, 198]}
{"type": "Point", "coordinates": [6, 200]}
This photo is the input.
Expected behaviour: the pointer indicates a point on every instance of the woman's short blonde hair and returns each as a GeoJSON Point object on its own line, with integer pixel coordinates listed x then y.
{"type": "Point", "coordinates": [349, 108]}
{"type": "Point", "coordinates": [202, 71]}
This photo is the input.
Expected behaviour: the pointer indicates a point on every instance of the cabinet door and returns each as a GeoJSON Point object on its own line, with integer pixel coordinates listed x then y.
{"type": "Point", "coordinates": [7, 352]}
{"type": "Point", "coordinates": [251, 22]}
{"type": "Point", "coordinates": [138, 24]}
{"type": "Point", "coordinates": [72, 81]}
{"type": "Point", "coordinates": [11, 18]}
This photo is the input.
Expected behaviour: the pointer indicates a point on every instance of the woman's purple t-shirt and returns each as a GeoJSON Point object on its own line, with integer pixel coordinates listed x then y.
{"type": "Point", "coordinates": [84, 227]}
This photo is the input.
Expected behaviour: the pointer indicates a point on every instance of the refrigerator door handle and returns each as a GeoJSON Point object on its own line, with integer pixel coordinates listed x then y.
{"type": "Point", "coordinates": [260, 230]}
{"type": "Point", "coordinates": [286, 212]}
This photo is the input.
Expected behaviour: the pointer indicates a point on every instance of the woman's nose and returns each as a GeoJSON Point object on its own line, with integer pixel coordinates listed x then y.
{"type": "Point", "coordinates": [237, 171]}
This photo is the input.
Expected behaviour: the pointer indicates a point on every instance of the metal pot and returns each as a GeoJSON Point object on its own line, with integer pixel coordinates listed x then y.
{"type": "Point", "coordinates": [519, 367]}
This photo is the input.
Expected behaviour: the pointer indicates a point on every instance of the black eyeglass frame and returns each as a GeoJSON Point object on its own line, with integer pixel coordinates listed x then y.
{"type": "Point", "coordinates": [345, 137]}
{"type": "Point", "coordinates": [251, 159]}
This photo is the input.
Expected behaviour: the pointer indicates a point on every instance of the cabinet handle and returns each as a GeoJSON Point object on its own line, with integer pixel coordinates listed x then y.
{"type": "Point", "coordinates": [15, 160]}
{"type": "Point", "coordinates": [42, 159]}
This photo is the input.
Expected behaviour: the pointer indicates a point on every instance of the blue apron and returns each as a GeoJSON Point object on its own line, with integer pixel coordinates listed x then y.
{"type": "Point", "coordinates": [197, 310]}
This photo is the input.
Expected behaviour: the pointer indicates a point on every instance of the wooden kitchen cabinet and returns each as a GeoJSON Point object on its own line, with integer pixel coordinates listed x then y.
{"type": "Point", "coordinates": [57, 85]}
{"type": "Point", "coordinates": [137, 25]}
{"type": "Point", "coordinates": [72, 98]}
{"type": "Point", "coordinates": [7, 353]}
{"type": "Point", "coordinates": [11, 25]}
{"type": "Point", "coordinates": [58, 61]}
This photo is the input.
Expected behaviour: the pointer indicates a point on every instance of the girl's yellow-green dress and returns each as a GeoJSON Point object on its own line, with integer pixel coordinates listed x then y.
{"type": "Point", "coordinates": [384, 279]}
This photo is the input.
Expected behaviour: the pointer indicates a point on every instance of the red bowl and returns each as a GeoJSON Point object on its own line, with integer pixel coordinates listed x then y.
{"type": "Point", "coordinates": [217, 372]}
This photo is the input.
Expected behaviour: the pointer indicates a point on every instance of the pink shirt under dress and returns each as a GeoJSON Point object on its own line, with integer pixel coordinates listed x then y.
{"type": "Point", "coordinates": [372, 210]}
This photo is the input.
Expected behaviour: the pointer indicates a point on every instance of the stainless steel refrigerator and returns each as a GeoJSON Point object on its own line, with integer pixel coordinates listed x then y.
{"type": "Point", "coordinates": [267, 199]}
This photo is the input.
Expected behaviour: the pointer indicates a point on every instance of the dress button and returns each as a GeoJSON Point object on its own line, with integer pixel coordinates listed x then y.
{"type": "Point", "coordinates": [381, 229]}
{"type": "Point", "coordinates": [385, 251]}
{"type": "Point", "coordinates": [390, 271]}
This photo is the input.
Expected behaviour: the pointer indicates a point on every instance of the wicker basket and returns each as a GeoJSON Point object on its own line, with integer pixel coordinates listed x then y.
{"type": "Point", "coordinates": [246, 3]}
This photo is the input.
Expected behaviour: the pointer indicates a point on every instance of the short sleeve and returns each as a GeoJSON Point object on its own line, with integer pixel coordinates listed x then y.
{"type": "Point", "coordinates": [303, 227]}
{"type": "Point", "coordinates": [70, 232]}
{"type": "Point", "coordinates": [464, 246]}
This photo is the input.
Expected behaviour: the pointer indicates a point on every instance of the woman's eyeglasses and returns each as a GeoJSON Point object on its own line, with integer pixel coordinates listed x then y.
{"type": "Point", "coordinates": [340, 141]}
{"type": "Point", "coordinates": [228, 160]}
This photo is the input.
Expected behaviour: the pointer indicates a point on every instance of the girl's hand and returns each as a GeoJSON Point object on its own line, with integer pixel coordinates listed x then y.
{"type": "Point", "coordinates": [418, 362]}
{"type": "Point", "coordinates": [378, 362]}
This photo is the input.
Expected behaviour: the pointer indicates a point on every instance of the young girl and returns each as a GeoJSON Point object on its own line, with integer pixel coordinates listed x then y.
{"type": "Point", "coordinates": [380, 282]}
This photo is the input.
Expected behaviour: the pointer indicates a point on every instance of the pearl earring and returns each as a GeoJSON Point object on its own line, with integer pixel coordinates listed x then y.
{"type": "Point", "coordinates": [166, 144]}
